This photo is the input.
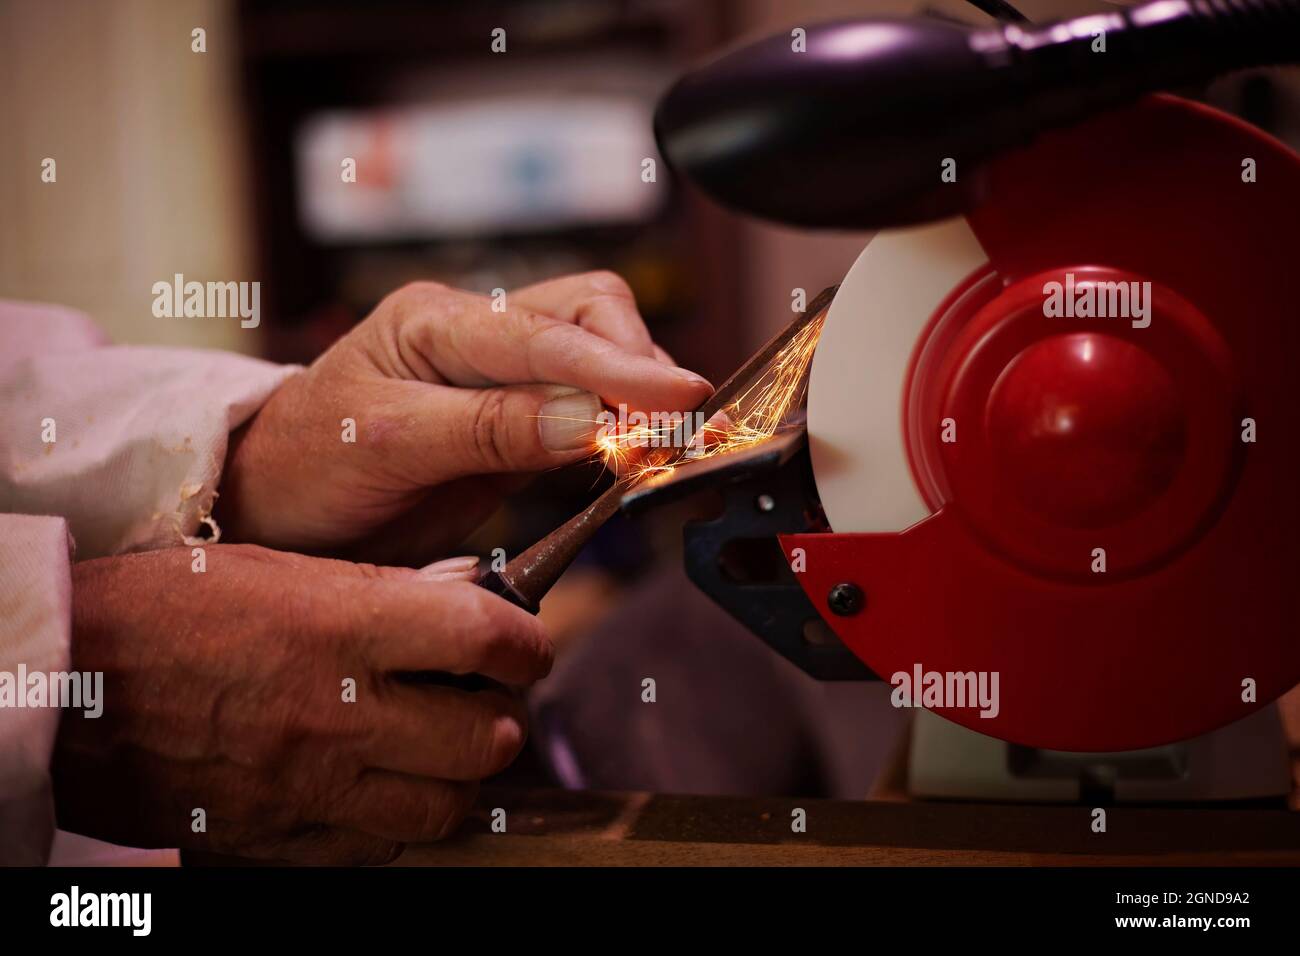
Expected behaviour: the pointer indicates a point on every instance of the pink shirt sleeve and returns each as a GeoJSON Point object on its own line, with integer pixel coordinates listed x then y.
{"type": "Point", "coordinates": [35, 612]}
{"type": "Point", "coordinates": [104, 449]}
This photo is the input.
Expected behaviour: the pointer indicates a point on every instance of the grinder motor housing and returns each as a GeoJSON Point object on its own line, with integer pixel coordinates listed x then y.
{"type": "Point", "coordinates": [1097, 507]}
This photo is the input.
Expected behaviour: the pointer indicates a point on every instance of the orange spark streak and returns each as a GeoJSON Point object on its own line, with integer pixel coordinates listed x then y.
{"type": "Point", "coordinates": [754, 417]}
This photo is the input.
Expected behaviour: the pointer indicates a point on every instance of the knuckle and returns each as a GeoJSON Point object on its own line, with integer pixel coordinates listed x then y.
{"type": "Point", "coordinates": [497, 734]}
{"type": "Point", "coordinates": [506, 730]}
{"type": "Point", "coordinates": [608, 282]}
{"type": "Point", "coordinates": [495, 640]}
{"type": "Point", "coordinates": [473, 622]}
{"type": "Point", "coordinates": [494, 633]}
{"type": "Point", "coordinates": [487, 427]}
{"type": "Point", "coordinates": [436, 809]}
{"type": "Point", "coordinates": [534, 642]}
{"type": "Point", "coordinates": [420, 290]}
{"type": "Point", "coordinates": [439, 811]}
{"type": "Point", "coordinates": [461, 798]}
{"type": "Point", "coordinates": [414, 309]}
{"type": "Point", "coordinates": [509, 733]}
{"type": "Point", "coordinates": [476, 744]}
{"type": "Point", "coordinates": [520, 637]}
{"type": "Point", "coordinates": [398, 303]}
{"type": "Point", "coordinates": [541, 330]}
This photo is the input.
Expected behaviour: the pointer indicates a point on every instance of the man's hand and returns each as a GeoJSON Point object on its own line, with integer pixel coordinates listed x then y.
{"type": "Point", "coordinates": [230, 696]}
{"type": "Point", "coordinates": [449, 399]}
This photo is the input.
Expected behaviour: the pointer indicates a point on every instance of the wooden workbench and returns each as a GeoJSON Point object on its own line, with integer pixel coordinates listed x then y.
{"type": "Point", "coordinates": [554, 827]}
{"type": "Point", "coordinates": [558, 827]}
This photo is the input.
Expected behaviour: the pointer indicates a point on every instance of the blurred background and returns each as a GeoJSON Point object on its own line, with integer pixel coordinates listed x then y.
{"type": "Point", "coordinates": [480, 170]}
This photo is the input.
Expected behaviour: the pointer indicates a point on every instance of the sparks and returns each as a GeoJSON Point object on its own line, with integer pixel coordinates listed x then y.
{"type": "Point", "coordinates": [620, 449]}
{"type": "Point", "coordinates": [754, 417]}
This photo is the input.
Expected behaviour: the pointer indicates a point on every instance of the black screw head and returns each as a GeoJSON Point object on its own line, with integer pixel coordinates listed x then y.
{"type": "Point", "coordinates": [846, 599]}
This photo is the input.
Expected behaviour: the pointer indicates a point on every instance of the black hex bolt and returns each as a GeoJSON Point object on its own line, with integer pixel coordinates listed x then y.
{"type": "Point", "coordinates": [846, 599]}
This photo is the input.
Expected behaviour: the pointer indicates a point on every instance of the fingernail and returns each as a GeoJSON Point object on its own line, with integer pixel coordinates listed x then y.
{"type": "Point", "coordinates": [452, 569]}
{"type": "Point", "coordinates": [568, 420]}
{"type": "Point", "coordinates": [691, 376]}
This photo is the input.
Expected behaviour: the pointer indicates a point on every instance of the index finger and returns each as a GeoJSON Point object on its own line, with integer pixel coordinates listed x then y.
{"type": "Point", "coordinates": [455, 627]}
{"type": "Point", "coordinates": [600, 302]}
{"type": "Point", "coordinates": [469, 344]}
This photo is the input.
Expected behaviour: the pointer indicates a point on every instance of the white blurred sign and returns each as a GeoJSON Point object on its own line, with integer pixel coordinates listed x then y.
{"type": "Point", "coordinates": [486, 167]}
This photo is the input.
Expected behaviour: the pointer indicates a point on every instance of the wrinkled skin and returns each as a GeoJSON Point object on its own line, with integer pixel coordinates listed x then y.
{"type": "Point", "coordinates": [228, 697]}
{"type": "Point", "coordinates": [223, 689]}
{"type": "Point", "coordinates": [447, 397]}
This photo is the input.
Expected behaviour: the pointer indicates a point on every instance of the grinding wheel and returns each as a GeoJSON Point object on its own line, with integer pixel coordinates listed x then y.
{"type": "Point", "coordinates": [1102, 512]}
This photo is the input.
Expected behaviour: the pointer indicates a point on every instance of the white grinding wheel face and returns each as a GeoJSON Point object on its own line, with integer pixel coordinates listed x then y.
{"type": "Point", "coordinates": [855, 391]}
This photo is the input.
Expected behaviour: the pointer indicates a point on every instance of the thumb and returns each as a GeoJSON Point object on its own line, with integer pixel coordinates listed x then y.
{"type": "Point", "coordinates": [512, 428]}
